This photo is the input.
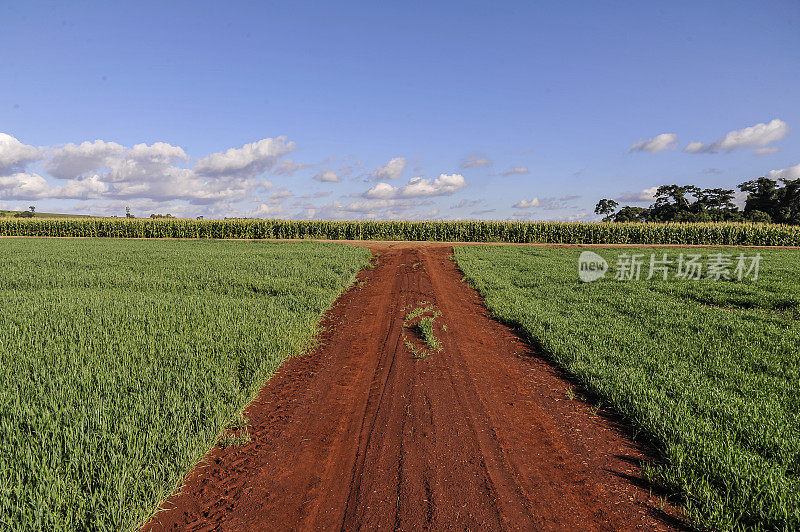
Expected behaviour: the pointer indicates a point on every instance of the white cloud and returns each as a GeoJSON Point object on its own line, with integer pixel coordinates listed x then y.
{"type": "Point", "coordinates": [73, 160]}
{"type": "Point", "coordinates": [645, 196]}
{"type": "Point", "coordinates": [662, 142]}
{"type": "Point", "coordinates": [23, 186]}
{"type": "Point", "coordinates": [157, 153]}
{"type": "Point", "coordinates": [14, 155]}
{"type": "Point", "coordinates": [418, 187]}
{"type": "Point", "coordinates": [327, 176]}
{"type": "Point", "coordinates": [694, 147]}
{"type": "Point", "coordinates": [108, 170]}
{"type": "Point", "coordinates": [527, 204]}
{"type": "Point", "coordinates": [766, 151]}
{"type": "Point", "coordinates": [475, 162]}
{"type": "Point", "coordinates": [515, 170]}
{"type": "Point", "coordinates": [247, 161]}
{"type": "Point", "coordinates": [793, 172]}
{"type": "Point", "coordinates": [150, 172]}
{"type": "Point", "coordinates": [87, 188]}
{"type": "Point", "coordinates": [289, 167]}
{"type": "Point", "coordinates": [266, 210]}
{"type": "Point", "coordinates": [753, 136]}
{"type": "Point", "coordinates": [391, 170]}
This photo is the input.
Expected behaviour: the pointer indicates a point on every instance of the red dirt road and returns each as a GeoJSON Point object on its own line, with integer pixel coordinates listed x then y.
{"type": "Point", "coordinates": [481, 435]}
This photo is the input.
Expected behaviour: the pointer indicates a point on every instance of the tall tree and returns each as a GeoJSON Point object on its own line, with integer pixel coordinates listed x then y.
{"type": "Point", "coordinates": [605, 208]}
{"type": "Point", "coordinates": [716, 199]}
{"type": "Point", "coordinates": [762, 195]}
{"type": "Point", "coordinates": [789, 201]}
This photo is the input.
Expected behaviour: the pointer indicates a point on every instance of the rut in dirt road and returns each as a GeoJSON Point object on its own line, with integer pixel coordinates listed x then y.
{"type": "Point", "coordinates": [360, 433]}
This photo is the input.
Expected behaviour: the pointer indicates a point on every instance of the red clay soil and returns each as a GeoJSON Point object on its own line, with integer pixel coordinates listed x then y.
{"type": "Point", "coordinates": [481, 435]}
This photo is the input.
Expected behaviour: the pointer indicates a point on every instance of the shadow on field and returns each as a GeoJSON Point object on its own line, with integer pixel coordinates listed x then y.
{"type": "Point", "coordinates": [594, 405]}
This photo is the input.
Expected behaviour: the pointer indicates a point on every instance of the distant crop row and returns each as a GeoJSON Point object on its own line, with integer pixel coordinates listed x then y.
{"type": "Point", "coordinates": [441, 231]}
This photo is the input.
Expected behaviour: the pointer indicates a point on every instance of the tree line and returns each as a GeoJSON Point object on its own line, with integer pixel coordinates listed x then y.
{"type": "Point", "coordinates": [768, 201]}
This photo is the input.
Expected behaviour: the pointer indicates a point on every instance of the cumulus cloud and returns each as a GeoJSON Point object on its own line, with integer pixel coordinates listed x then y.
{"type": "Point", "coordinates": [793, 172]}
{"type": "Point", "coordinates": [391, 170]}
{"type": "Point", "coordinates": [23, 186]}
{"type": "Point", "coordinates": [150, 172]}
{"type": "Point", "coordinates": [14, 155]}
{"type": "Point", "coordinates": [418, 187]}
{"type": "Point", "coordinates": [247, 161]}
{"type": "Point", "coordinates": [515, 170]}
{"type": "Point", "coordinates": [527, 204]}
{"type": "Point", "coordinates": [476, 162]}
{"type": "Point", "coordinates": [753, 136]}
{"type": "Point", "coordinates": [327, 176]}
{"type": "Point", "coordinates": [158, 172]}
{"type": "Point", "coordinates": [645, 196]}
{"type": "Point", "coordinates": [73, 160]}
{"type": "Point", "coordinates": [662, 142]}
{"type": "Point", "coordinates": [86, 188]}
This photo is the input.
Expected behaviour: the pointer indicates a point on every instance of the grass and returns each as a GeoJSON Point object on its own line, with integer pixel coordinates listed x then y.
{"type": "Point", "coordinates": [122, 362]}
{"type": "Point", "coordinates": [420, 321]}
{"type": "Point", "coordinates": [708, 371]}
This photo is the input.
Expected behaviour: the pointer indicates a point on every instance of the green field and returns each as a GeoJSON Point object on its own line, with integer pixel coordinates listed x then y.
{"type": "Point", "coordinates": [708, 370]}
{"type": "Point", "coordinates": [122, 360]}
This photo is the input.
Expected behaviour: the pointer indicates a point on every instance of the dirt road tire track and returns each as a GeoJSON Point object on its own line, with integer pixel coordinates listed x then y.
{"type": "Point", "coordinates": [359, 434]}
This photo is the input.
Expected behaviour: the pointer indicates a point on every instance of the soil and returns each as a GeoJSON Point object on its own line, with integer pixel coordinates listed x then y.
{"type": "Point", "coordinates": [482, 434]}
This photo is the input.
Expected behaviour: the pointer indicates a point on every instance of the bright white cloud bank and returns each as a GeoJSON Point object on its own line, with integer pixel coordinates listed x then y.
{"type": "Point", "coordinates": [163, 178]}
{"type": "Point", "coordinates": [157, 172]}
{"type": "Point", "coordinates": [753, 136]}
{"type": "Point", "coordinates": [419, 187]}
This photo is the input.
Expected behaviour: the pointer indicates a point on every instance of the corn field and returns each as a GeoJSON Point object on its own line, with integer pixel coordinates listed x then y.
{"type": "Point", "coordinates": [439, 231]}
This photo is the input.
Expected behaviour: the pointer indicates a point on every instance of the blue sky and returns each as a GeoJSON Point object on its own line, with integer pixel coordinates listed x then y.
{"type": "Point", "coordinates": [412, 110]}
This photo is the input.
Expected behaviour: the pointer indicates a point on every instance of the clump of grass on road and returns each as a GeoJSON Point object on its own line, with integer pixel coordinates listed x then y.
{"type": "Point", "coordinates": [420, 320]}
{"type": "Point", "coordinates": [121, 362]}
{"type": "Point", "coordinates": [708, 370]}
